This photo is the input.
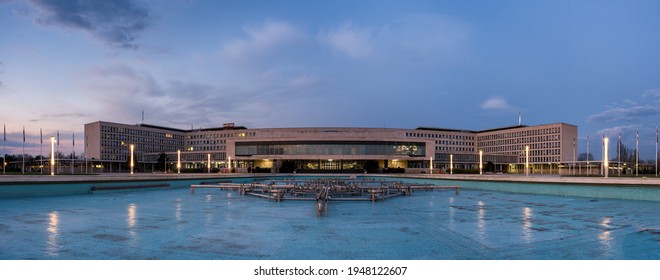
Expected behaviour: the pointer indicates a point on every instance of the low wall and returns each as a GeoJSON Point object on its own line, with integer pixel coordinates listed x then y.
{"type": "Point", "coordinates": [631, 191]}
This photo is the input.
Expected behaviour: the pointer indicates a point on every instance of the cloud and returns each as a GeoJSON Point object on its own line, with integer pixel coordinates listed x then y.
{"type": "Point", "coordinates": [622, 114]}
{"type": "Point", "coordinates": [651, 93]}
{"type": "Point", "coordinates": [629, 110]}
{"type": "Point", "coordinates": [349, 39]}
{"type": "Point", "coordinates": [125, 91]}
{"type": "Point", "coordinates": [613, 132]}
{"type": "Point", "coordinates": [423, 35]}
{"type": "Point", "coordinates": [261, 40]}
{"type": "Point", "coordinates": [426, 33]}
{"type": "Point", "coordinates": [496, 103]}
{"type": "Point", "coordinates": [115, 22]}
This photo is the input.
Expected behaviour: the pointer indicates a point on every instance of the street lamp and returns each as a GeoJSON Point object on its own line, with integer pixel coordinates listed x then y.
{"type": "Point", "coordinates": [52, 156]}
{"type": "Point", "coordinates": [178, 161]}
{"type": "Point", "coordinates": [527, 160]}
{"type": "Point", "coordinates": [431, 165]}
{"type": "Point", "coordinates": [451, 163]}
{"type": "Point", "coordinates": [606, 161]}
{"type": "Point", "coordinates": [481, 159]}
{"type": "Point", "coordinates": [132, 161]}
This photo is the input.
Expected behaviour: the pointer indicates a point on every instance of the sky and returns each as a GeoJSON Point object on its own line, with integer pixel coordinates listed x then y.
{"type": "Point", "coordinates": [265, 64]}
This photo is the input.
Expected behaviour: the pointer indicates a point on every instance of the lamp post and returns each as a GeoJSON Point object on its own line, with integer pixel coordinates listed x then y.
{"type": "Point", "coordinates": [606, 161]}
{"type": "Point", "coordinates": [527, 160]}
{"type": "Point", "coordinates": [209, 163]}
{"type": "Point", "coordinates": [178, 161]}
{"type": "Point", "coordinates": [431, 165]}
{"type": "Point", "coordinates": [132, 161]}
{"type": "Point", "coordinates": [481, 164]}
{"type": "Point", "coordinates": [451, 163]}
{"type": "Point", "coordinates": [52, 156]}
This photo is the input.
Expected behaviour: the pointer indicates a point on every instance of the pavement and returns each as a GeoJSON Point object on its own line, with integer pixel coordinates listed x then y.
{"type": "Point", "coordinates": [536, 178]}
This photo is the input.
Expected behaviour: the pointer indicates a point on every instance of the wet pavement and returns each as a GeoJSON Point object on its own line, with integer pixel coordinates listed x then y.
{"type": "Point", "coordinates": [214, 224]}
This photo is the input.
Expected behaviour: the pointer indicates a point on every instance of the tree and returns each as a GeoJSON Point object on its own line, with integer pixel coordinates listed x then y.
{"type": "Point", "coordinates": [627, 154]}
{"type": "Point", "coordinates": [583, 157]}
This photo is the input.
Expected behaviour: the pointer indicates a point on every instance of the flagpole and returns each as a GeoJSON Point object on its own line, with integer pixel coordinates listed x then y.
{"type": "Point", "coordinates": [85, 151]}
{"type": "Point", "coordinates": [4, 149]}
{"type": "Point", "coordinates": [41, 151]}
{"type": "Point", "coordinates": [23, 156]}
{"type": "Point", "coordinates": [574, 157]}
{"type": "Point", "coordinates": [57, 152]}
{"type": "Point", "coordinates": [73, 151]}
{"type": "Point", "coordinates": [636, 152]}
{"type": "Point", "coordinates": [619, 152]}
{"type": "Point", "coordinates": [602, 154]}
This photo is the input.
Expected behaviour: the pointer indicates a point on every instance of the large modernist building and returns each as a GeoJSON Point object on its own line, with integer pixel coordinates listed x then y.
{"type": "Point", "coordinates": [423, 149]}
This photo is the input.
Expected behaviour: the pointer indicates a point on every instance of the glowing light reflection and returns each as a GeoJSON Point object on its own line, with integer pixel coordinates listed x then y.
{"type": "Point", "coordinates": [132, 221]}
{"type": "Point", "coordinates": [53, 233]}
{"type": "Point", "coordinates": [132, 213]}
{"type": "Point", "coordinates": [605, 237]}
{"type": "Point", "coordinates": [177, 210]}
{"type": "Point", "coordinates": [209, 213]}
{"type": "Point", "coordinates": [527, 224]}
{"type": "Point", "coordinates": [451, 214]}
{"type": "Point", "coordinates": [481, 222]}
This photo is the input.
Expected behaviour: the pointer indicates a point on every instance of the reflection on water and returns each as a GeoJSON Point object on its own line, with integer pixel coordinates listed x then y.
{"type": "Point", "coordinates": [132, 213]}
{"type": "Point", "coordinates": [451, 213]}
{"type": "Point", "coordinates": [177, 210]}
{"type": "Point", "coordinates": [132, 221]}
{"type": "Point", "coordinates": [229, 195]}
{"type": "Point", "coordinates": [209, 213]}
{"type": "Point", "coordinates": [481, 222]}
{"type": "Point", "coordinates": [527, 224]}
{"type": "Point", "coordinates": [605, 238]}
{"type": "Point", "coordinates": [53, 233]}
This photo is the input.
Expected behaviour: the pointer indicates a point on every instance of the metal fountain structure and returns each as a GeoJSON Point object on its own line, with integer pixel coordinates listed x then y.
{"type": "Point", "coordinates": [324, 190]}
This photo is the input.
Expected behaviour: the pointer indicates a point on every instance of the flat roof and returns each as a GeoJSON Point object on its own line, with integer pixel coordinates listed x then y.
{"type": "Point", "coordinates": [485, 130]}
{"type": "Point", "coordinates": [444, 129]}
{"type": "Point", "coordinates": [192, 130]}
{"type": "Point", "coordinates": [162, 127]}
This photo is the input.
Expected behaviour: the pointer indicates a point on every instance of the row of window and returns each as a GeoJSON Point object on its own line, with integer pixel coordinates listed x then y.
{"type": "Point", "coordinates": [523, 133]}
{"type": "Point", "coordinates": [523, 140]}
{"type": "Point", "coordinates": [205, 142]}
{"type": "Point", "coordinates": [457, 149]}
{"type": "Point", "coordinates": [221, 135]}
{"type": "Point", "coordinates": [454, 143]}
{"type": "Point", "coordinates": [114, 147]}
{"type": "Point", "coordinates": [327, 148]}
{"type": "Point", "coordinates": [445, 157]}
{"type": "Point", "coordinates": [139, 139]}
{"type": "Point", "coordinates": [207, 148]}
{"type": "Point", "coordinates": [521, 148]}
{"type": "Point", "coordinates": [439, 136]}
{"type": "Point", "coordinates": [140, 132]}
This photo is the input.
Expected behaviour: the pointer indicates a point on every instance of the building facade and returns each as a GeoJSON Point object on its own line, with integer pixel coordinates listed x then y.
{"type": "Point", "coordinates": [419, 150]}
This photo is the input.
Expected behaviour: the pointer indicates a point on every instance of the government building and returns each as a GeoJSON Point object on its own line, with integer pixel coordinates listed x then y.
{"type": "Point", "coordinates": [232, 148]}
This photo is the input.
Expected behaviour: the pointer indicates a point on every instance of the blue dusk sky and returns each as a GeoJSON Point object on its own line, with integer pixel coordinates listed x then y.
{"type": "Point", "coordinates": [396, 64]}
